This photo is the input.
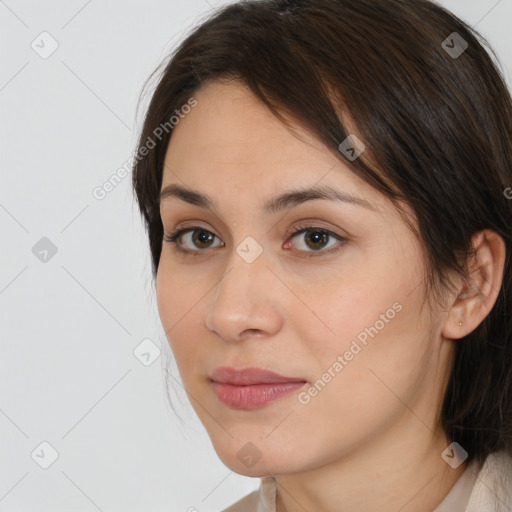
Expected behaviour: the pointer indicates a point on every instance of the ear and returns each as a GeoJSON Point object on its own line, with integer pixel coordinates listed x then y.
{"type": "Point", "coordinates": [477, 296]}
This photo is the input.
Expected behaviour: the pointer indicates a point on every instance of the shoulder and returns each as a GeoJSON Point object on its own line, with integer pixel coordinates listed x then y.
{"type": "Point", "coordinates": [261, 500]}
{"type": "Point", "coordinates": [493, 488]}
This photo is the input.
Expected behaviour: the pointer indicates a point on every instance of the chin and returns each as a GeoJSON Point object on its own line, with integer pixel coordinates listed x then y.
{"type": "Point", "coordinates": [252, 459]}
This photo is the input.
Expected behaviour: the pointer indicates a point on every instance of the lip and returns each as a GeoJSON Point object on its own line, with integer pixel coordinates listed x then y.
{"type": "Point", "coordinates": [251, 388]}
{"type": "Point", "coordinates": [249, 376]}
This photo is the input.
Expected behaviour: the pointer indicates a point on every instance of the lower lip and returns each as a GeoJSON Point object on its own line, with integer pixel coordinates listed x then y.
{"type": "Point", "coordinates": [253, 396]}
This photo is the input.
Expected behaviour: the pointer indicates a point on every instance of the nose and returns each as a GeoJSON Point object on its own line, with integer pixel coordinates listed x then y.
{"type": "Point", "coordinates": [247, 301]}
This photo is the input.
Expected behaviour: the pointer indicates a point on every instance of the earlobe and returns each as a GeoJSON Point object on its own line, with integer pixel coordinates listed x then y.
{"type": "Point", "coordinates": [476, 298]}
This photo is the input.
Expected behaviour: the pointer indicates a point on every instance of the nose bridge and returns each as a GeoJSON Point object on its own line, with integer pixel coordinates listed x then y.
{"type": "Point", "coordinates": [244, 270]}
{"type": "Point", "coordinates": [242, 299]}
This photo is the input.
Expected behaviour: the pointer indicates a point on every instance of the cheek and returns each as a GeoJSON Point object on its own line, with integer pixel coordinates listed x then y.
{"type": "Point", "coordinates": [172, 300]}
{"type": "Point", "coordinates": [343, 309]}
{"type": "Point", "coordinates": [174, 293]}
{"type": "Point", "coordinates": [385, 357]}
{"type": "Point", "coordinates": [164, 296]}
{"type": "Point", "coordinates": [179, 307]}
{"type": "Point", "coordinates": [363, 393]}
{"type": "Point", "coordinates": [371, 325]}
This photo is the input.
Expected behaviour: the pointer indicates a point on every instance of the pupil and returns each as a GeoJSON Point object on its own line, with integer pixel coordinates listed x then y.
{"type": "Point", "coordinates": [203, 236]}
{"type": "Point", "coordinates": [318, 236]}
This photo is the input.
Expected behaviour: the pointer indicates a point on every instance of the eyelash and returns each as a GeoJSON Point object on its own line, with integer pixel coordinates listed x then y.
{"type": "Point", "coordinates": [175, 235]}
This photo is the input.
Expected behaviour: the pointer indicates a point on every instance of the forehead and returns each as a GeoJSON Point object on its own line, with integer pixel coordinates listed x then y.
{"type": "Point", "coordinates": [231, 128]}
{"type": "Point", "coordinates": [232, 143]}
{"type": "Point", "coordinates": [230, 122]}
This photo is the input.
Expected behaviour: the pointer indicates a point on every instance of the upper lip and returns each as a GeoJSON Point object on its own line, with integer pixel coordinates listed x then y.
{"type": "Point", "coordinates": [248, 376]}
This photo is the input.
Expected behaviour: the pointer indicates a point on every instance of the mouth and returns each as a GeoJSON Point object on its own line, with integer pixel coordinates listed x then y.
{"type": "Point", "coordinates": [252, 388]}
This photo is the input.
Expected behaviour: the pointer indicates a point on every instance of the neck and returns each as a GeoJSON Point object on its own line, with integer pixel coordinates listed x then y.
{"type": "Point", "coordinates": [405, 473]}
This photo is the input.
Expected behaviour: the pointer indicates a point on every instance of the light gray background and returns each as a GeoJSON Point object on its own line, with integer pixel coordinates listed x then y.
{"type": "Point", "coordinates": [69, 325]}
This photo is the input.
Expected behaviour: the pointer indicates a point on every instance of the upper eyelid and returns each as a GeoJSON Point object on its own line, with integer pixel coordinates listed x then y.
{"type": "Point", "coordinates": [293, 233]}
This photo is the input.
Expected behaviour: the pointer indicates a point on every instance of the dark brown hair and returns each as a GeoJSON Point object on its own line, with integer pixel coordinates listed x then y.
{"type": "Point", "coordinates": [437, 126]}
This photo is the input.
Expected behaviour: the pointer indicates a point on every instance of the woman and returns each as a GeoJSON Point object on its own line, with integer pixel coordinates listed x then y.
{"type": "Point", "coordinates": [325, 185]}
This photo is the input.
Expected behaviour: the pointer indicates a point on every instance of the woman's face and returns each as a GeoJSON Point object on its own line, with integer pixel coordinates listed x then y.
{"type": "Point", "coordinates": [345, 317]}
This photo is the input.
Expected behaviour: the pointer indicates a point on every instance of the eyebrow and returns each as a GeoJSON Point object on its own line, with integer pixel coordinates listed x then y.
{"type": "Point", "coordinates": [284, 201]}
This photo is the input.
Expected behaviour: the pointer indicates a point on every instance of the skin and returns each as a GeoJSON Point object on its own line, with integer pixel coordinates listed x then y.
{"type": "Point", "coordinates": [370, 440]}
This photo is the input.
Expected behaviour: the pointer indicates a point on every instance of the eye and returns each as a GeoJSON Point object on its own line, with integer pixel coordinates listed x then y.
{"type": "Point", "coordinates": [200, 238]}
{"type": "Point", "coordinates": [199, 235]}
{"type": "Point", "coordinates": [315, 238]}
